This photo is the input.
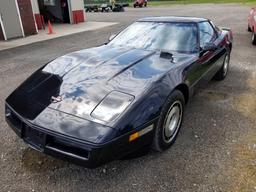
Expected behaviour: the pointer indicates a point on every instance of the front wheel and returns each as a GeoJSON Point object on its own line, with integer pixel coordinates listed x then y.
{"type": "Point", "coordinates": [169, 122]}
{"type": "Point", "coordinates": [222, 73]}
{"type": "Point", "coordinates": [249, 28]}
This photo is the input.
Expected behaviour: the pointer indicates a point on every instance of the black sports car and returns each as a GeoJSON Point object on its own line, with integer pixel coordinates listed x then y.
{"type": "Point", "coordinates": [103, 103]}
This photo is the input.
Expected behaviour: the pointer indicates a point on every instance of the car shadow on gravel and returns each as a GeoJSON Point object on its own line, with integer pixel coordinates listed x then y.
{"type": "Point", "coordinates": [35, 161]}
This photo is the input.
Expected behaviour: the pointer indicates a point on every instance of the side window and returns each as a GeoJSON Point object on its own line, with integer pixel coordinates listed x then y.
{"type": "Point", "coordinates": [215, 27]}
{"type": "Point", "coordinates": [251, 12]}
{"type": "Point", "coordinates": [207, 33]}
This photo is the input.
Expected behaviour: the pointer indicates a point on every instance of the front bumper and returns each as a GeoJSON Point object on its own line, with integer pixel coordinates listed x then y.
{"type": "Point", "coordinates": [81, 152]}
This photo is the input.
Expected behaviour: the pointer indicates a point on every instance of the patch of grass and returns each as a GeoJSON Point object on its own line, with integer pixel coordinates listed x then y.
{"type": "Point", "coordinates": [170, 2]}
{"type": "Point", "coordinates": [174, 2]}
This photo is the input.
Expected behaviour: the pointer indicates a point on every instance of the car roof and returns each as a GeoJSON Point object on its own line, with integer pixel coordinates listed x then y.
{"type": "Point", "coordinates": [173, 19]}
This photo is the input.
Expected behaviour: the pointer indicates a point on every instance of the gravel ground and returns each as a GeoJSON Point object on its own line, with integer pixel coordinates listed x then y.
{"type": "Point", "coordinates": [216, 148]}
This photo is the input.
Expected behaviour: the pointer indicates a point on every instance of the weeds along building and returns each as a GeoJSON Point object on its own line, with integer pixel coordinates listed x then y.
{"type": "Point", "coordinates": [21, 18]}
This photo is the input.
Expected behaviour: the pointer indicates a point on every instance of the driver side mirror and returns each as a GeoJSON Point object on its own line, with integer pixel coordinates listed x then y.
{"type": "Point", "coordinates": [209, 47]}
{"type": "Point", "coordinates": [111, 37]}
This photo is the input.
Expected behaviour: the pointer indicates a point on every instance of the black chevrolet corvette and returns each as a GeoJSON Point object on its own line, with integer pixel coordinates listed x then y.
{"type": "Point", "coordinates": [100, 104]}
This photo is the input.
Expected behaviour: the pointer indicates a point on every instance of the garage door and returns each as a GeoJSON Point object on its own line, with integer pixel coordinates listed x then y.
{"type": "Point", "coordinates": [10, 17]}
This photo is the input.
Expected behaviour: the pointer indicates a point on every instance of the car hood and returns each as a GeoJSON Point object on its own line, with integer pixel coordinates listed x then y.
{"type": "Point", "coordinates": [82, 79]}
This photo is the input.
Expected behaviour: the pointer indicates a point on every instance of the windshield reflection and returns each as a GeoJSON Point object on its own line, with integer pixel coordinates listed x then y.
{"type": "Point", "coordinates": [176, 37]}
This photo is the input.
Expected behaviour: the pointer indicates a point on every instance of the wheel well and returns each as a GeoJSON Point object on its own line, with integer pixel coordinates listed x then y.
{"type": "Point", "coordinates": [183, 88]}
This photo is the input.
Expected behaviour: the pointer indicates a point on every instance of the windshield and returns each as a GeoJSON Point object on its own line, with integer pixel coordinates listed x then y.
{"type": "Point", "coordinates": [177, 37]}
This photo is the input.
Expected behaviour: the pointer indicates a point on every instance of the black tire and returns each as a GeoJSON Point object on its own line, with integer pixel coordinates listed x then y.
{"type": "Point", "coordinates": [222, 73]}
{"type": "Point", "coordinates": [253, 38]}
{"type": "Point", "coordinates": [160, 141]}
{"type": "Point", "coordinates": [249, 28]}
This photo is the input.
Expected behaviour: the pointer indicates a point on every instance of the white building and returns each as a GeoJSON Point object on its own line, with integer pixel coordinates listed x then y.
{"type": "Point", "coordinates": [20, 18]}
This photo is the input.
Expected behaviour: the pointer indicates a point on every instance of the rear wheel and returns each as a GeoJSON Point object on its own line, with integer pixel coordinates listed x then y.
{"type": "Point", "coordinates": [169, 122]}
{"type": "Point", "coordinates": [222, 73]}
{"type": "Point", "coordinates": [253, 38]}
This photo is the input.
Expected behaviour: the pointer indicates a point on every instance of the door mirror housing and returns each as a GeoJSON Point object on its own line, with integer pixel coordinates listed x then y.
{"type": "Point", "coordinates": [111, 37]}
{"type": "Point", "coordinates": [209, 47]}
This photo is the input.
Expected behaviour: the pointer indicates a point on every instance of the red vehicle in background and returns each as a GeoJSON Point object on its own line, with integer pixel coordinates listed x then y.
{"type": "Point", "coordinates": [140, 3]}
{"type": "Point", "coordinates": [252, 24]}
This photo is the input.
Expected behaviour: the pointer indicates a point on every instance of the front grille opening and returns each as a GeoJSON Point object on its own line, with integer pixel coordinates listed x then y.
{"type": "Point", "coordinates": [64, 147]}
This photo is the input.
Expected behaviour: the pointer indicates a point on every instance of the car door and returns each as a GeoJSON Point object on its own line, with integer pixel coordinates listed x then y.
{"type": "Point", "coordinates": [253, 20]}
{"type": "Point", "coordinates": [208, 61]}
{"type": "Point", "coordinates": [251, 17]}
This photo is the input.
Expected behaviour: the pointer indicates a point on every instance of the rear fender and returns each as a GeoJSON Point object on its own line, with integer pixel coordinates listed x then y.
{"type": "Point", "coordinates": [229, 33]}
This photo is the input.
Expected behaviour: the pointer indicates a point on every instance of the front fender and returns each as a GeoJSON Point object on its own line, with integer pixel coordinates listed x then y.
{"type": "Point", "coordinates": [148, 107]}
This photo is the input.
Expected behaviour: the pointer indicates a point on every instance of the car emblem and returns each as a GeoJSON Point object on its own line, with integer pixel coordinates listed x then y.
{"type": "Point", "coordinates": [56, 99]}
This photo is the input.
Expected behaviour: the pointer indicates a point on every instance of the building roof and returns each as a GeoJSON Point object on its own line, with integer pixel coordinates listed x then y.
{"type": "Point", "coordinates": [173, 19]}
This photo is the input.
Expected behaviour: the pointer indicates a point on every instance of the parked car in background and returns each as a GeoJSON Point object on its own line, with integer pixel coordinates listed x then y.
{"type": "Point", "coordinates": [140, 3]}
{"type": "Point", "coordinates": [105, 7]}
{"type": "Point", "coordinates": [103, 103]}
{"type": "Point", "coordinates": [252, 24]}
